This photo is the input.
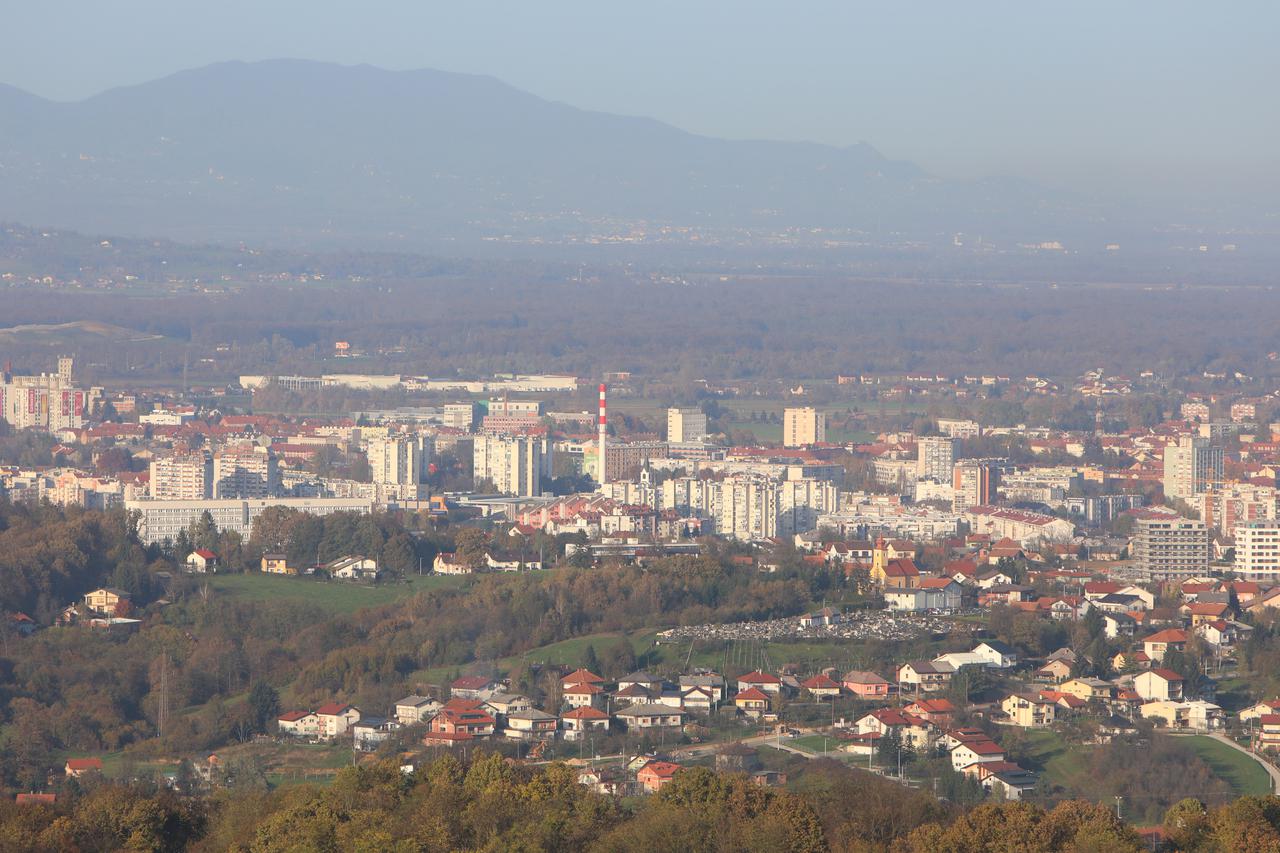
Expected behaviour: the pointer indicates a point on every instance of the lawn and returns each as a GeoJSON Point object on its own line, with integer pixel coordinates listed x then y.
{"type": "Point", "coordinates": [1060, 763]}
{"type": "Point", "coordinates": [334, 596]}
{"type": "Point", "coordinates": [816, 744]}
{"type": "Point", "coordinates": [1245, 776]}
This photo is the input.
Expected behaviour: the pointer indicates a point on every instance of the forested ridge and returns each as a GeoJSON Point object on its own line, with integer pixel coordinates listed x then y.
{"type": "Point", "coordinates": [492, 804]}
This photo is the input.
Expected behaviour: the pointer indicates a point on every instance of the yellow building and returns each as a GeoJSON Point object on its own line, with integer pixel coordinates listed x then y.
{"type": "Point", "coordinates": [803, 426]}
{"type": "Point", "coordinates": [277, 564]}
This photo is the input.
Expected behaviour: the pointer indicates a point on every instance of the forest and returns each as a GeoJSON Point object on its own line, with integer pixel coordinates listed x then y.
{"type": "Point", "coordinates": [487, 803]}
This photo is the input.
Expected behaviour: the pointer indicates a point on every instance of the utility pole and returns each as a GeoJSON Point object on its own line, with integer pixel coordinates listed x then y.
{"type": "Point", "coordinates": [1118, 799]}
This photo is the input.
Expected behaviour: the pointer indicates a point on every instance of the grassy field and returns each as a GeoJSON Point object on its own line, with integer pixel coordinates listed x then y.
{"type": "Point", "coordinates": [1245, 776]}
{"type": "Point", "coordinates": [335, 596]}
{"type": "Point", "coordinates": [1060, 763]}
{"type": "Point", "coordinates": [814, 743]}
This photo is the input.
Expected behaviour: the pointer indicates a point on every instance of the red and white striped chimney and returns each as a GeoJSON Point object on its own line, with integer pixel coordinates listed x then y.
{"type": "Point", "coordinates": [601, 441]}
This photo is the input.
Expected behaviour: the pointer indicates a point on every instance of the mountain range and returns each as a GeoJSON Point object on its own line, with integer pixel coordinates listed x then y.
{"type": "Point", "coordinates": [292, 152]}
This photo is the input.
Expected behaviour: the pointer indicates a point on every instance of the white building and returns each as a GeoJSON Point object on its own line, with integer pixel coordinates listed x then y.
{"type": "Point", "coordinates": [803, 426]}
{"type": "Point", "coordinates": [245, 471]}
{"type": "Point", "coordinates": [515, 465]}
{"type": "Point", "coordinates": [1170, 548]}
{"type": "Point", "coordinates": [396, 460]}
{"type": "Point", "coordinates": [935, 458]}
{"type": "Point", "coordinates": [181, 477]}
{"type": "Point", "coordinates": [686, 425]}
{"type": "Point", "coordinates": [49, 401]}
{"type": "Point", "coordinates": [1258, 551]}
{"type": "Point", "coordinates": [1190, 466]}
{"type": "Point", "coordinates": [160, 521]}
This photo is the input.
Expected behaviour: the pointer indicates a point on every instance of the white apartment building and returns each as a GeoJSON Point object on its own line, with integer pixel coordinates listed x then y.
{"type": "Point", "coordinates": [245, 471]}
{"type": "Point", "coordinates": [686, 425]}
{"type": "Point", "coordinates": [1170, 549]}
{"type": "Point", "coordinates": [956, 428]}
{"type": "Point", "coordinates": [515, 464]}
{"type": "Point", "coordinates": [395, 460]}
{"type": "Point", "coordinates": [160, 521]}
{"type": "Point", "coordinates": [182, 477]}
{"type": "Point", "coordinates": [935, 457]}
{"type": "Point", "coordinates": [803, 426]}
{"type": "Point", "coordinates": [1192, 465]}
{"type": "Point", "coordinates": [1258, 551]}
{"type": "Point", "coordinates": [49, 401]}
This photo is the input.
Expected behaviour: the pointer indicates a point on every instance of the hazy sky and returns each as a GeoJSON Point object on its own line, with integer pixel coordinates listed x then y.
{"type": "Point", "coordinates": [1122, 89]}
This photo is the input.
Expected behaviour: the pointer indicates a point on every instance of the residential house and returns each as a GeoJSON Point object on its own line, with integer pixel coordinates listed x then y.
{"type": "Point", "coordinates": [821, 686]}
{"type": "Point", "coordinates": [473, 687]}
{"type": "Point", "coordinates": [1003, 778]}
{"type": "Point", "coordinates": [1159, 684]}
{"type": "Point", "coordinates": [1158, 643]}
{"type": "Point", "coordinates": [939, 712]}
{"type": "Point", "coordinates": [770, 684]}
{"type": "Point", "coordinates": [531, 724]}
{"type": "Point", "coordinates": [353, 568]}
{"type": "Point", "coordinates": [1130, 660]}
{"type": "Point", "coordinates": [583, 695]}
{"type": "Point", "coordinates": [1029, 711]}
{"type": "Point", "coordinates": [1197, 715]}
{"type": "Point", "coordinates": [1088, 689]}
{"type": "Point", "coordinates": [471, 722]}
{"type": "Point", "coordinates": [449, 563]}
{"type": "Point", "coordinates": [107, 600]}
{"type": "Point", "coordinates": [753, 702]}
{"type": "Point", "coordinates": [925, 676]}
{"type": "Point", "coordinates": [865, 685]}
{"type": "Point", "coordinates": [371, 732]}
{"type": "Point", "coordinates": [647, 715]}
{"type": "Point", "coordinates": [582, 721]}
{"type": "Point", "coordinates": [581, 676]}
{"type": "Point", "coordinates": [912, 731]}
{"type": "Point", "coordinates": [697, 700]}
{"type": "Point", "coordinates": [298, 723]}
{"type": "Point", "coordinates": [414, 709]}
{"type": "Point", "coordinates": [1269, 732]}
{"type": "Point", "coordinates": [334, 718]}
{"type": "Point", "coordinates": [632, 694]}
{"type": "Point", "coordinates": [202, 561]}
{"type": "Point", "coordinates": [710, 681]}
{"type": "Point", "coordinates": [656, 774]}
{"type": "Point", "coordinates": [648, 681]}
{"type": "Point", "coordinates": [1118, 625]}
{"type": "Point", "coordinates": [77, 767]}
{"type": "Point", "coordinates": [1256, 711]}
{"type": "Point", "coordinates": [975, 752]}
{"type": "Point", "coordinates": [1221, 633]}
{"type": "Point", "coordinates": [277, 564]}
{"type": "Point", "coordinates": [501, 705]}
{"type": "Point", "coordinates": [820, 618]}
{"type": "Point", "coordinates": [1054, 671]}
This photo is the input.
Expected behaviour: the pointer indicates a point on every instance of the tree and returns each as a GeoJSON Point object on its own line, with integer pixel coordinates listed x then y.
{"type": "Point", "coordinates": [265, 704]}
{"type": "Point", "coordinates": [203, 532]}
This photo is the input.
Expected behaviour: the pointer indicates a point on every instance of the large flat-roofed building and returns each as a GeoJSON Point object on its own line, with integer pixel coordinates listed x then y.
{"type": "Point", "coordinates": [181, 477]}
{"type": "Point", "coordinates": [1191, 466]}
{"type": "Point", "coordinates": [395, 460]}
{"type": "Point", "coordinates": [1258, 551]}
{"type": "Point", "coordinates": [515, 465]}
{"type": "Point", "coordinates": [935, 458]}
{"type": "Point", "coordinates": [803, 426]}
{"type": "Point", "coordinates": [686, 425]}
{"type": "Point", "coordinates": [49, 401]}
{"type": "Point", "coordinates": [160, 521]}
{"type": "Point", "coordinates": [1170, 548]}
{"type": "Point", "coordinates": [245, 471]}
{"type": "Point", "coordinates": [975, 484]}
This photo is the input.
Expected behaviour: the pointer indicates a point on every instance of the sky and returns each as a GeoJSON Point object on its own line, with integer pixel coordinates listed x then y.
{"type": "Point", "coordinates": [1136, 92]}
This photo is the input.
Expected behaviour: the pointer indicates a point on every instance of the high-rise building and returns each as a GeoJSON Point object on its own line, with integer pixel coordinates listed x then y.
{"type": "Point", "coordinates": [395, 460]}
{"type": "Point", "coordinates": [1170, 548]}
{"type": "Point", "coordinates": [935, 458]}
{"type": "Point", "coordinates": [1191, 466]}
{"type": "Point", "coordinates": [182, 477]}
{"type": "Point", "coordinates": [49, 402]}
{"type": "Point", "coordinates": [514, 464]}
{"type": "Point", "coordinates": [460, 416]}
{"type": "Point", "coordinates": [245, 471]}
{"type": "Point", "coordinates": [686, 425]}
{"type": "Point", "coordinates": [974, 482]}
{"type": "Point", "coordinates": [803, 426]}
{"type": "Point", "coordinates": [1258, 551]}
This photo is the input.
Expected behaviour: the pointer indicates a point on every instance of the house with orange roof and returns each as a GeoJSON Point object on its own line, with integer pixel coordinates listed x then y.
{"type": "Point", "coordinates": [583, 721]}
{"type": "Point", "coordinates": [1162, 641]}
{"type": "Point", "coordinates": [753, 702]}
{"type": "Point", "coordinates": [77, 767]}
{"type": "Point", "coordinates": [821, 686]}
{"type": "Point", "coordinates": [656, 774]}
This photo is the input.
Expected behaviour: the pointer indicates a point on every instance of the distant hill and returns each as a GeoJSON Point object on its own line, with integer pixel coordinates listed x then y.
{"type": "Point", "coordinates": [39, 334]}
{"type": "Point", "coordinates": [307, 153]}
